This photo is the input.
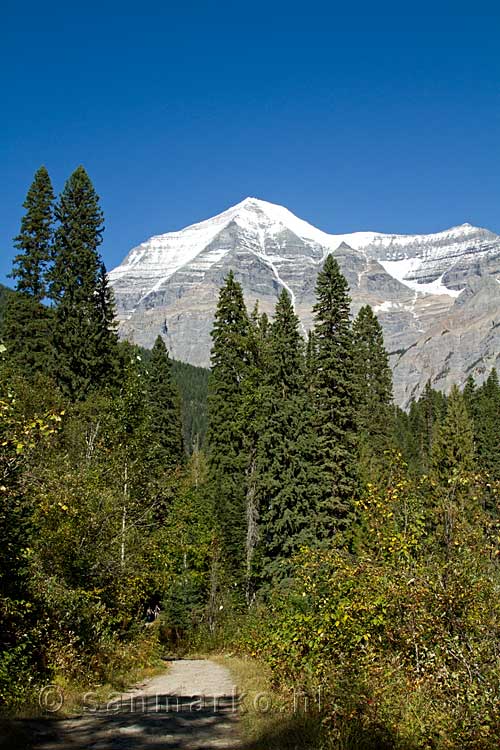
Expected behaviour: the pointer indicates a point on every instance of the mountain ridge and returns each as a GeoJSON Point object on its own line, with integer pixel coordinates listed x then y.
{"type": "Point", "coordinates": [198, 235]}
{"type": "Point", "coordinates": [169, 283]}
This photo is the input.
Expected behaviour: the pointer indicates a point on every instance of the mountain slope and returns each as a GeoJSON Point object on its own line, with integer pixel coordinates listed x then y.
{"type": "Point", "coordinates": [169, 285]}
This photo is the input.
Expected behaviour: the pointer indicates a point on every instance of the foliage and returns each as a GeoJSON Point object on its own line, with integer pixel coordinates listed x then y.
{"type": "Point", "coordinates": [423, 419]}
{"type": "Point", "coordinates": [485, 407]}
{"type": "Point", "coordinates": [22, 437]}
{"type": "Point", "coordinates": [5, 295]}
{"type": "Point", "coordinates": [384, 591]}
{"type": "Point", "coordinates": [401, 635]}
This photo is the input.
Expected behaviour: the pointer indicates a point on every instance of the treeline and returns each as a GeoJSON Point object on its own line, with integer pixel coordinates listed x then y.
{"type": "Point", "coordinates": [294, 429]}
{"type": "Point", "coordinates": [417, 429]}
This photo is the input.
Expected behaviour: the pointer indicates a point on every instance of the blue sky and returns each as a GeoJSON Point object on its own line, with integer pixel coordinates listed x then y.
{"type": "Point", "coordinates": [352, 120]}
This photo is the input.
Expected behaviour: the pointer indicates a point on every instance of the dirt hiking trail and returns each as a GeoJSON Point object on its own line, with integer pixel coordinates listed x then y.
{"type": "Point", "coordinates": [192, 706]}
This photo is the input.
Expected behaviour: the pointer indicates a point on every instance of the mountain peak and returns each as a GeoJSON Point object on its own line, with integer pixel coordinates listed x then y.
{"type": "Point", "coordinates": [265, 225]}
{"type": "Point", "coordinates": [257, 205]}
{"type": "Point", "coordinates": [250, 199]}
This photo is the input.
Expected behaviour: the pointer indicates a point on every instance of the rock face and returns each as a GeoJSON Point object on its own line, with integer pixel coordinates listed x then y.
{"type": "Point", "coordinates": [437, 296]}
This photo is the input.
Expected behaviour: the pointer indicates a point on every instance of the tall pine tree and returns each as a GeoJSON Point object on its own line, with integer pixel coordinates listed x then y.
{"type": "Point", "coordinates": [84, 334]}
{"type": "Point", "coordinates": [35, 238]}
{"type": "Point", "coordinates": [287, 451]}
{"type": "Point", "coordinates": [164, 409]}
{"type": "Point", "coordinates": [425, 416]}
{"type": "Point", "coordinates": [452, 461]}
{"type": "Point", "coordinates": [487, 425]}
{"type": "Point", "coordinates": [26, 327]}
{"type": "Point", "coordinates": [251, 416]}
{"type": "Point", "coordinates": [227, 458]}
{"type": "Point", "coordinates": [470, 396]}
{"type": "Point", "coordinates": [373, 395]}
{"type": "Point", "coordinates": [334, 397]}
{"type": "Point", "coordinates": [453, 446]}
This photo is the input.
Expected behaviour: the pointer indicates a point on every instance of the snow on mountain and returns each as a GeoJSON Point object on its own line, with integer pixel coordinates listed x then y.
{"type": "Point", "coordinates": [403, 270]}
{"type": "Point", "coordinates": [164, 254]}
{"type": "Point", "coordinates": [414, 260]}
{"type": "Point", "coordinates": [169, 285]}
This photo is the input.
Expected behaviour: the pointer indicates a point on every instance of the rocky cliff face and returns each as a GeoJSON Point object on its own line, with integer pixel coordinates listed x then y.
{"type": "Point", "coordinates": [437, 296]}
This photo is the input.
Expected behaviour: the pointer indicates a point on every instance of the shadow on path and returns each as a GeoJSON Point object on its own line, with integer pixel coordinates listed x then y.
{"type": "Point", "coordinates": [142, 721]}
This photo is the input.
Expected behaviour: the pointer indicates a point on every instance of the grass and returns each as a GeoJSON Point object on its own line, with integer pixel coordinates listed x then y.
{"type": "Point", "coordinates": [102, 693]}
{"type": "Point", "coordinates": [269, 719]}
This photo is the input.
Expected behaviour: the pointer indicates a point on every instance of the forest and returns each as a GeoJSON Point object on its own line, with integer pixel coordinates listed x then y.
{"type": "Point", "coordinates": [280, 507]}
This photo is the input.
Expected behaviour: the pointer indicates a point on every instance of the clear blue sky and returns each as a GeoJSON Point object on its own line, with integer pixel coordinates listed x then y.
{"type": "Point", "coordinates": [353, 120]}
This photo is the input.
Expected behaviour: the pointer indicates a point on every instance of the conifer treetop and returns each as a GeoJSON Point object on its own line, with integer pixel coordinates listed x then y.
{"type": "Point", "coordinates": [77, 261]}
{"type": "Point", "coordinates": [35, 238]}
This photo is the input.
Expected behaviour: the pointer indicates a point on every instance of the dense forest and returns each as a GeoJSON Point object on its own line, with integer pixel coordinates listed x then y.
{"type": "Point", "coordinates": [281, 506]}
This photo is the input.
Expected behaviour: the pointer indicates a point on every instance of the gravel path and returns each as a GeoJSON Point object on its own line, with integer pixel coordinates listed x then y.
{"type": "Point", "coordinates": [192, 706]}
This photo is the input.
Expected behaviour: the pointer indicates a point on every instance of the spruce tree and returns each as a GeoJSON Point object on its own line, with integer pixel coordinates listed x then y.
{"type": "Point", "coordinates": [425, 416]}
{"type": "Point", "coordinates": [164, 409]}
{"type": "Point", "coordinates": [334, 394]}
{"type": "Point", "coordinates": [452, 461]}
{"type": "Point", "coordinates": [453, 446]}
{"type": "Point", "coordinates": [287, 460]}
{"type": "Point", "coordinates": [35, 238]}
{"type": "Point", "coordinates": [487, 425]}
{"type": "Point", "coordinates": [470, 395]}
{"type": "Point", "coordinates": [403, 436]}
{"type": "Point", "coordinates": [84, 335]}
{"type": "Point", "coordinates": [310, 357]}
{"type": "Point", "coordinates": [373, 394]}
{"type": "Point", "coordinates": [227, 459]}
{"type": "Point", "coordinates": [252, 418]}
{"type": "Point", "coordinates": [26, 327]}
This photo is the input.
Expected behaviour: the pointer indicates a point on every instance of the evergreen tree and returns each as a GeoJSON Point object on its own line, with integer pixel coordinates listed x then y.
{"type": "Point", "coordinates": [286, 451]}
{"type": "Point", "coordinates": [192, 384]}
{"type": "Point", "coordinates": [425, 416]}
{"type": "Point", "coordinates": [84, 334]}
{"type": "Point", "coordinates": [487, 425]}
{"type": "Point", "coordinates": [403, 436]}
{"type": "Point", "coordinates": [35, 238]}
{"type": "Point", "coordinates": [131, 462]}
{"type": "Point", "coordinates": [310, 356]}
{"type": "Point", "coordinates": [26, 328]}
{"type": "Point", "coordinates": [227, 459]}
{"type": "Point", "coordinates": [373, 384]}
{"type": "Point", "coordinates": [164, 409]}
{"type": "Point", "coordinates": [334, 396]}
{"type": "Point", "coordinates": [453, 445]}
{"type": "Point", "coordinates": [470, 396]}
{"type": "Point", "coordinates": [251, 416]}
{"type": "Point", "coordinates": [452, 461]}
{"type": "Point", "coordinates": [27, 335]}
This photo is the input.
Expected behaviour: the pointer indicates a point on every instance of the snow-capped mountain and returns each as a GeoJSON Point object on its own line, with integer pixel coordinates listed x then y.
{"type": "Point", "coordinates": [169, 285]}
